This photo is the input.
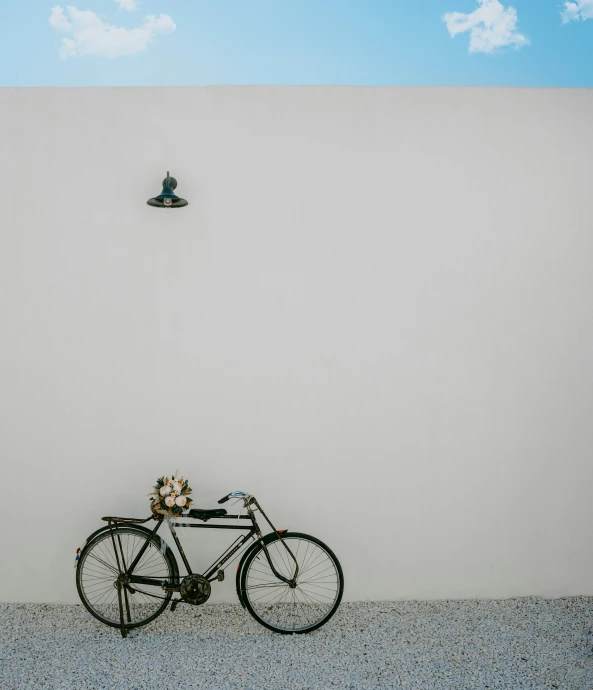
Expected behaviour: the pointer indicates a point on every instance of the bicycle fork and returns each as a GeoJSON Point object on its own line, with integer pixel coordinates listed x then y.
{"type": "Point", "coordinates": [292, 581]}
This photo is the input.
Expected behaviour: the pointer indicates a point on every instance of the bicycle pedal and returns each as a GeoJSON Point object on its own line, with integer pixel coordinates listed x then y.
{"type": "Point", "coordinates": [220, 575]}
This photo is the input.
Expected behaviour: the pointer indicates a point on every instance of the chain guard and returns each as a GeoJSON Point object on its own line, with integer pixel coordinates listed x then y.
{"type": "Point", "coordinates": [195, 589]}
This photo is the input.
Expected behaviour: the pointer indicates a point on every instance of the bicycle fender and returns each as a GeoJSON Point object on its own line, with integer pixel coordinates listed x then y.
{"type": "Point", "coordinates": [266, 540]}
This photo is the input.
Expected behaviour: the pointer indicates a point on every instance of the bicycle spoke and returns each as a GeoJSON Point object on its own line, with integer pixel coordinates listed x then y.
{"type": "Point", "coordinates": [98, 578]}
{"type": "Point", "coordinates": [92, 555]}
{"type": "Point", "coordinates": [297, 608]}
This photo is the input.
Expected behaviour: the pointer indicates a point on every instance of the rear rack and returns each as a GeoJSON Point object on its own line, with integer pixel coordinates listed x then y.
{"type": "Point", "coordinates": [128, 520]}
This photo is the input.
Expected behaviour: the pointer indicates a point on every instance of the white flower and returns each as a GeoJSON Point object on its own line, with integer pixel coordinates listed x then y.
{"type": "Point", "coordinates": [165, 490]}
{"type": "Point", "coordinates": [177, 487]}
{"type": "Point", "coordinates": [180, 501]}
{"type": "Point", "coordinates": [170, 501]}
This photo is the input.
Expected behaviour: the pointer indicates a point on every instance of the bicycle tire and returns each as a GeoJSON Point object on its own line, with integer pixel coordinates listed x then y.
{"type": "Point", "coordinates": [97, 565]}
{"type": "Point", "coordinates": [314, 600]}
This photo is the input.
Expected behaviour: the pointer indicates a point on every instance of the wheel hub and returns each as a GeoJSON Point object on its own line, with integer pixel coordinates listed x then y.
{"type": "Point", "coordinates": [121, 581]}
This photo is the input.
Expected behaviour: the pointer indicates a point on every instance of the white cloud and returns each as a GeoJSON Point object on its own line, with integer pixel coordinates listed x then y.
{"type": "Point", "coordinates": [89, 35]}
{"type": "Point", "coordinates": [58, 19]}
{"type": "Point", "coordinates": [577, 10]}
{"type": "Point", "coordinates": [129, 5]}
{"type": "Point", "coordinates": [491, 26]}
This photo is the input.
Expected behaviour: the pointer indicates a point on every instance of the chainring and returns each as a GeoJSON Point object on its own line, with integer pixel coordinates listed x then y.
{"type": "Point", "coordinates": [195, 589]}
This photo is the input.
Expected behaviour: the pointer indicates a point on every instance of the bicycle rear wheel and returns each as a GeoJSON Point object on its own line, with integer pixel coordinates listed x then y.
{"type": "Point", "coordinates": [97, 573]}
{"type": "Point", "coordinates": [301, 608]}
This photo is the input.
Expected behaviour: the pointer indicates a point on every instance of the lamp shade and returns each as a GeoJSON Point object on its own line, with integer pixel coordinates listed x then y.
{"type": "Point", "coordinates": [167, 198]}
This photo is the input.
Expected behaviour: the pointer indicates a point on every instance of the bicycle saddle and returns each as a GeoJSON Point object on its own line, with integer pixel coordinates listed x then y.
{"type": "Point", "coordinates": [202, 514]}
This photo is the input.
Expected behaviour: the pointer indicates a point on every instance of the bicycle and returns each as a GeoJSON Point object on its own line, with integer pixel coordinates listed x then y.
{"type": "Point", "coordinates": [289, 582]}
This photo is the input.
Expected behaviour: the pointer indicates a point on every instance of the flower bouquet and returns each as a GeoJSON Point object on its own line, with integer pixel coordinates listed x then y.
{"type": "Point", "coordinates": [170, 496]}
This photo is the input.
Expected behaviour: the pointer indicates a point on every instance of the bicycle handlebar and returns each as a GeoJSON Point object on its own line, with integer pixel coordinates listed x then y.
{"type": "Point", "coordinates": [235, 494]}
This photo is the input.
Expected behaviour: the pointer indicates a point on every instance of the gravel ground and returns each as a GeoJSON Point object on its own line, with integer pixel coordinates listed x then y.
{"type": "Point", "coordinates": [514, 644]}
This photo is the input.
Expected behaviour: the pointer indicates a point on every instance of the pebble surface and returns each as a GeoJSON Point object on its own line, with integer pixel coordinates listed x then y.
{"type": "Point", "coordinates": [445, 645]}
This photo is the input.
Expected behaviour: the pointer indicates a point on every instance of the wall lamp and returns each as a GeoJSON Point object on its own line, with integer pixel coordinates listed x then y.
{"type": "Point", "coordinates": [167, 198]}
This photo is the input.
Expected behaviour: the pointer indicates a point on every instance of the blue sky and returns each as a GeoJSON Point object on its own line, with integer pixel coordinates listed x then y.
{"type": "Point", "coordinates": [362, 42]}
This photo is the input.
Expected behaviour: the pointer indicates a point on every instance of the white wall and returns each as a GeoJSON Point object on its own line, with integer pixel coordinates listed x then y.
{"type": "Point", "coordinates": [375, 315]}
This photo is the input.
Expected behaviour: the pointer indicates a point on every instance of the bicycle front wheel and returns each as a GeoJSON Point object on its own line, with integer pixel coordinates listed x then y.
{"type": "Point", "coordinates": [306, 604]}
{"type": "Point", "coordinates": [97, 577]}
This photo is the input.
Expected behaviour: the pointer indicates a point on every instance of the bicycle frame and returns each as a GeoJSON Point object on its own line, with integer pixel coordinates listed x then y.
{"type": "Point", "coordinates": [211, 572]}
{"type": "Point", "coordinates": [253, 532]}
{"type": "Point", "coordinates": [126, 575]}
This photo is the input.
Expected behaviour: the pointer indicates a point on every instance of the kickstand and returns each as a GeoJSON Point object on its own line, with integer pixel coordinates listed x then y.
{"type": "Point", "coordinates": [124, 630]}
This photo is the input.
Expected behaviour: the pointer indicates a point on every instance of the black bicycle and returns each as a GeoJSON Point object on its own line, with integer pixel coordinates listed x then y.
{"type": "Point", "coordinates": [289, 582]}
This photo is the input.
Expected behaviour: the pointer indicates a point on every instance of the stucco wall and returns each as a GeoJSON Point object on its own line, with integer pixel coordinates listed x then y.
{"type": "Point", "coordinates": [375, 315]}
